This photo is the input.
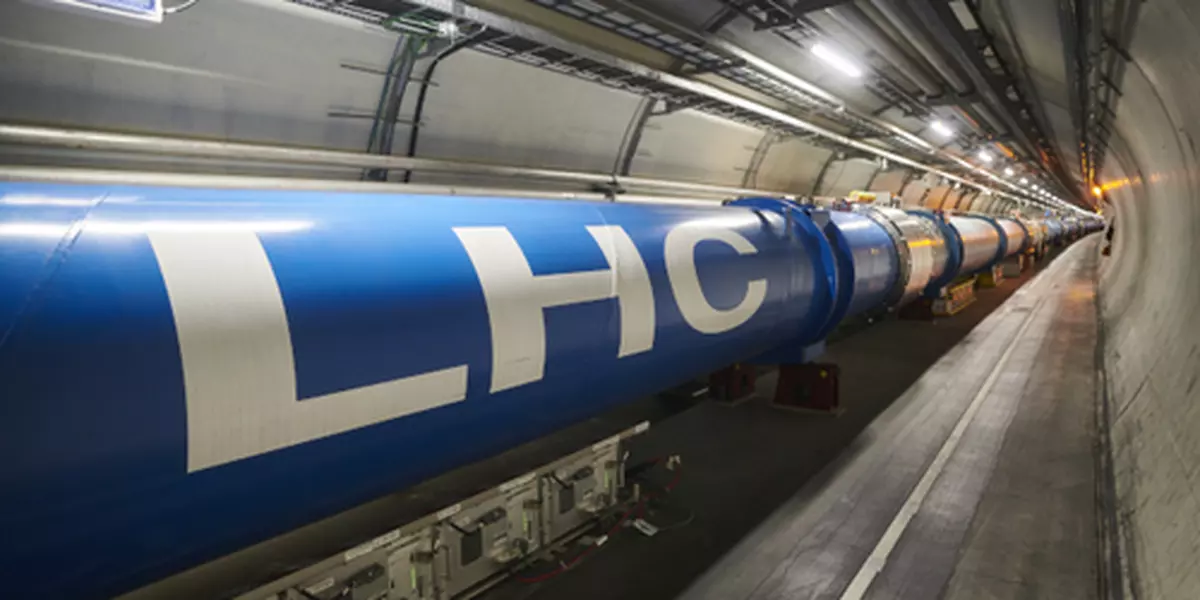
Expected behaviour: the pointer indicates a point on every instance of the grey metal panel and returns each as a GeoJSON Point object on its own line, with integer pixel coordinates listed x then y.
{"type": "Point", "coordinates": [937, 196]}
{"type": "Point", "coordinates": [491, 109]}
{"type": "Point", "coordinates": [914, 193]}
{"type": "Point", "coordinates": [223, 70]}
{"type": "Point", "coordinates": [953, 198]}
{"type": "Point", "coordinates": [792, 164]}
{"type": "Point", "coordinates": [844, 176]}
{"type": "Point", "coordinates": [891, 180]}
{"type": "Point", "coordinates": [694, 146]}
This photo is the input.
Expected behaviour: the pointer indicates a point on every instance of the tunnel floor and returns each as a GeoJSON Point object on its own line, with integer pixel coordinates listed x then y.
{"type": "Point", "coordinates": [962, 468]}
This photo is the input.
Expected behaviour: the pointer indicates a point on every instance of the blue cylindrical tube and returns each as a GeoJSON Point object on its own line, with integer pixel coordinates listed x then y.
{"type": "Point", "coordinates": [866, 257]}
{"type": "Point", "coordinates": [185, 372]}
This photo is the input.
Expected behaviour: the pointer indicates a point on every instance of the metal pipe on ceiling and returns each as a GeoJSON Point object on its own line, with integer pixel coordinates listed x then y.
{"type": "Point", "coordinates": [986, 114]}
{"type": "Point", "coordinates": [264, 153]}
{"type": "Point", "coordinates": [854, 21]}
{"type": "Point", "coordinates": [204, 180]}
{"type": "Point", "coordinates": [914, 36]}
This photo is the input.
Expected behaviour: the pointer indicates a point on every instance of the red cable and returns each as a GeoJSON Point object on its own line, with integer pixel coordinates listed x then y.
{"type": "Point", "coordinates": [563, 567]}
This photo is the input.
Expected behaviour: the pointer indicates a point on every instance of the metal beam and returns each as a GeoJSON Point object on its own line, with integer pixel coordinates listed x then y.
{"type": "Point", "coordinates": [820, 180]}
{"type": "Point", "coordinates": [800, 7]}
{"type": "Point", "coordinates": [750, 177]}
{"type": "Point", "coordinates": [427, 81]}
{"type": "Point", "coordinates": [633, 135]}
{"type": "Point", "coordinates": [952, 99]}
{"type": "Point", "coordinates": [724, 16]}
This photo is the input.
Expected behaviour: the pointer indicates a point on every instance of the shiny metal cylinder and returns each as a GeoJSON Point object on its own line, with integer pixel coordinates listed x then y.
{"type": "Point", "coordinates": [1055, 231]}
{"type": "Point", "coordinates": [1015, 234]}
{"type": "Point", "coordinates": [921, 248]}
{"type": "Point", "coordinates": [980, 243]}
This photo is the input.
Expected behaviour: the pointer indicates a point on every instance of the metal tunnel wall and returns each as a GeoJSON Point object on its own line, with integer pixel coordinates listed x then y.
{"type": "Point", "coordinates": [1150, 303]}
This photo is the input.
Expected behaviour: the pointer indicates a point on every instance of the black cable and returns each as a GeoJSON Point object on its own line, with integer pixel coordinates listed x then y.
{"type": "Point", "coordinates": [659, 509]}
{"type": "Point", "coordinates": [380, 106]}
{"type": "Point", "coordinates": [414, 131]}
{"type": "Point", "coordinates": [403, 76]}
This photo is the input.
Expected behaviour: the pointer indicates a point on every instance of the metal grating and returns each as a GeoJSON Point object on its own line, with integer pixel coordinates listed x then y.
{"type": "Point", "coordinates": [797, 30]}
{"type": "Point", "coordinates": [696, 58]}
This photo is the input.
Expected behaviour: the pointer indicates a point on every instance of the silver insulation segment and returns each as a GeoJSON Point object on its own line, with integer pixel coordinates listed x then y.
{"type": "Point", "coordinates": [919, 245]}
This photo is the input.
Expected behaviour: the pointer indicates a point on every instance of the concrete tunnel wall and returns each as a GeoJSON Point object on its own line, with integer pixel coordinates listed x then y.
{"type": "Point", "coordinates": [1150, 303]}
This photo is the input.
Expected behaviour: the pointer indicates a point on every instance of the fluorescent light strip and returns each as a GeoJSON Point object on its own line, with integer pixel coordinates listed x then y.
{"type": "Point", "coordinates": [834, 58]}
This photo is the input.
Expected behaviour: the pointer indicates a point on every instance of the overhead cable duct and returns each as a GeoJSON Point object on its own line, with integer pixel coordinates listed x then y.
{"type": "Point", "coordinates": [851, 19]}
{"type": "Point", "coordinates": [913, 34]}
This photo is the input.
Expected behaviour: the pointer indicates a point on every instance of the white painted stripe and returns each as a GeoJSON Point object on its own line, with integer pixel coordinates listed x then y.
{"type": "Point", "coordinates": [679, 252]}
{"type": "Point", "coordinates": [631, 287]}
{"type": "Point", "coordinates": [879, 556]}
{"type": "Point", "coordinates": [236, 349]}
{"type": "Point", "coordinates": [516, 298]}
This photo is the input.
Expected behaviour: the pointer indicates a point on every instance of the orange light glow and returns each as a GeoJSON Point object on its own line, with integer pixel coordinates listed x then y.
{"type": "Point", "coordinates": [1096, 191]}
{"type": "Point", "coordinates": [1113, 185]}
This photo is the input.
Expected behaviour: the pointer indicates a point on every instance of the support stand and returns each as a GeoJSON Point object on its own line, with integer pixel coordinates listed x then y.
{"type": "Point", "coordinates": [920, 309]}
{"type": "Point", "coordinates": [992, 277]}
{"type": "Point", "coordinates": [1013, 266]}
{"type": "Point", "coordinates": [955, 298]}
{"type": "Point", "coordinates": [733, 385]}
{"type": "Point", "coordinates": [809, 388]}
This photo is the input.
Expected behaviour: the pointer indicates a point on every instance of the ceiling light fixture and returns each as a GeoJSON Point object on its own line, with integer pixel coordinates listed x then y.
{"type": "Point", "coordinates": [831, 56]}
{"type": "Point", "coordinates": [1023, 181]}
{"type": "Point", "coordinates": [942, 129]}
{"type": "Point", "coordinates": [1008, 172]}
{"type": "Point", "coordinates": [985, 156]}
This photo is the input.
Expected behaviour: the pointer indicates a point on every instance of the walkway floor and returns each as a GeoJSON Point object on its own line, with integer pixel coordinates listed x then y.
{"type": "Point", "coordinates": [785, 505]}
{"type": "Point", "coordinates": [976, 483]}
